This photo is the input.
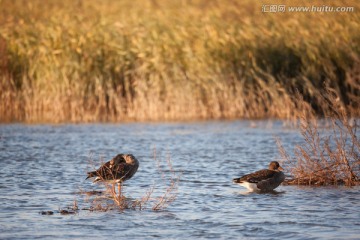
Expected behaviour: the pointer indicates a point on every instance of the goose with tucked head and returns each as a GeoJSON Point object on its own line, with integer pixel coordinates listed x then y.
{"type": "Point", "coordinates": [263, 180]}
{"type": "Point", "coordinates": [117, 170]}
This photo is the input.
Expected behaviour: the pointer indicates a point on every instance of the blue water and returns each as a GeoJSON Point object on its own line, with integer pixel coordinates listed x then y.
{"type": "Point", "coordinates": [43, 168]}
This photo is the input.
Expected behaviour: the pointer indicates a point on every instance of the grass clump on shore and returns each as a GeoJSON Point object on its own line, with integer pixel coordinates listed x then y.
{"type": "Point", "coordinates": [330, 154]}
{"type": "Point", "coordinates": [87, 61]}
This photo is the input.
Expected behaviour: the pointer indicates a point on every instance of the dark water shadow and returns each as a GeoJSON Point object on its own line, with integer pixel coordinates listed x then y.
{"type": "Point", "coordinates": [272, 192]}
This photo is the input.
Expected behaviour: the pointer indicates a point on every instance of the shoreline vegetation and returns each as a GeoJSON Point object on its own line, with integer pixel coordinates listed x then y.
{"type": "Point", "coordinates": [118, 61]}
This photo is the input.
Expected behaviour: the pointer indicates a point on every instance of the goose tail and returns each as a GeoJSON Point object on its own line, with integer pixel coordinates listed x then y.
{"type": "Point", "coordinates": [237, 180]}
{"type": "Point", "coordinates": [91, 174]}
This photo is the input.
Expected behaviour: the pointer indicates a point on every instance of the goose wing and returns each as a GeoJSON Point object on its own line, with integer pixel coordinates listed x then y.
{"type": "Point", "coordinates": [109, 170]}
{"type": "Point", "coordinates": [257, 176]}
{"type": "Point", "coordinates": [123, 171]}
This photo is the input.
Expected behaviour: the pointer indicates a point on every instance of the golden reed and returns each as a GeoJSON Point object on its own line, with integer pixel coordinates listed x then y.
{"type": "Point", "coordinates": [90, 61]}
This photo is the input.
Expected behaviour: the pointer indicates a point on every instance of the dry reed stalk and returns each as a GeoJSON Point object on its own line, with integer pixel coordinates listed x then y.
{"type": "Point", "coordinates": [328, 156]}
{"type": "Point", "coordinates": [171, 191]}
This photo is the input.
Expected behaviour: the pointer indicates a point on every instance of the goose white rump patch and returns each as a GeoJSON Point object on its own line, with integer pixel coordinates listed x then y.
{"type": "Point", "coordinates": [249, 186]}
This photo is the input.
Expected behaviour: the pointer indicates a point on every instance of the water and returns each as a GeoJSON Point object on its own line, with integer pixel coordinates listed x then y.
{"type": "Point", "coordinates": [43, 168]}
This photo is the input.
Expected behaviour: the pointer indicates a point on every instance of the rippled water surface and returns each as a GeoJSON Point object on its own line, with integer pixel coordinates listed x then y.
{"type": "Point", "coordinates": [43, 168]}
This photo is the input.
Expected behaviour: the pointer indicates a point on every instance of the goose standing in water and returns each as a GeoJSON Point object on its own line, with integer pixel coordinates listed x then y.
{"type": "Point", "coordinates": [263, 180]}
{"type": "Point", "coordinates": [117, 170]}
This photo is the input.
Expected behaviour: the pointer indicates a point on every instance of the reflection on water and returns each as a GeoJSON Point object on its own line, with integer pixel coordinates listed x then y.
{"type": "Point", "coordinates": [43, 168]}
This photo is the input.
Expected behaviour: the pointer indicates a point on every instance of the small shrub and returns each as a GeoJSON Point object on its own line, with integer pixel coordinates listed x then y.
{"type": "Point", "coordinates": [330, 154]}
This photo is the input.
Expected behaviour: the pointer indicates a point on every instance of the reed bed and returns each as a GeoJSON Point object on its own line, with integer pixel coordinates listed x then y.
{"type": "Point", "coordinates": [89, 61]}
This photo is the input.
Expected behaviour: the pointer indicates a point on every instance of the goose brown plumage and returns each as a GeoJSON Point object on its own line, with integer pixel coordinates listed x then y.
{"type": "Point", "coordinates": [119, 169]}
{"type": "Point", "coordinates": [263, 180]}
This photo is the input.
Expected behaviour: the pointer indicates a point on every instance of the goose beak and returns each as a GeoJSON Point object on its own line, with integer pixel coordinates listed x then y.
{"type": "Point", "coordinates": [280, 168]}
